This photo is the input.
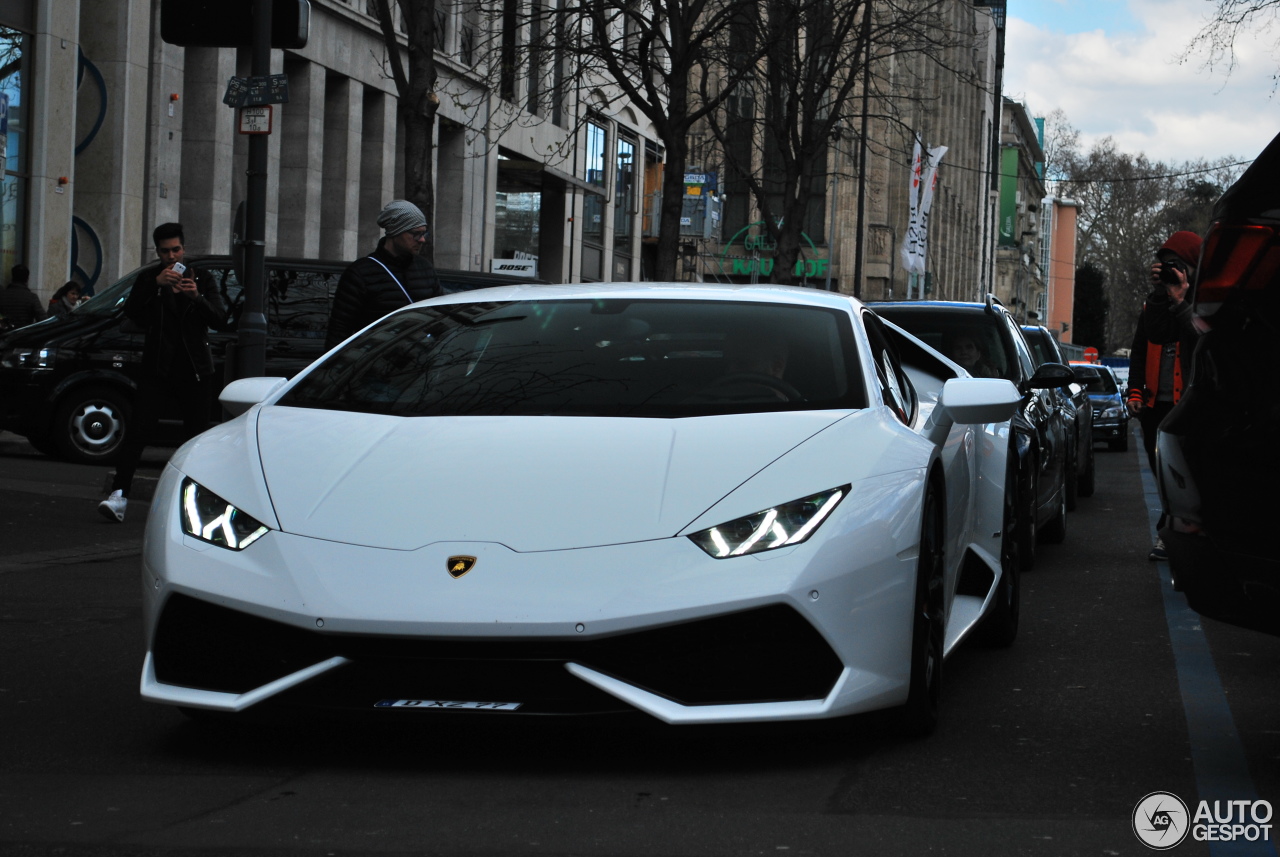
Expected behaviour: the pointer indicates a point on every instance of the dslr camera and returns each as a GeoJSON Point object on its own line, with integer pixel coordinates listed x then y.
{"type": "Point", "coordinates": [1168, 272]}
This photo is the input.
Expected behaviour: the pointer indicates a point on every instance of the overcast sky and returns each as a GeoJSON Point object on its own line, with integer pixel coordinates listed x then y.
{"type": "Point", "coordinates": [1113, 67]}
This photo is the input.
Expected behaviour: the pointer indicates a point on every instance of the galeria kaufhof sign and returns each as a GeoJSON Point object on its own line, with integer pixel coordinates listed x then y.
{"type": "Point", "coordinates": [757, 255]}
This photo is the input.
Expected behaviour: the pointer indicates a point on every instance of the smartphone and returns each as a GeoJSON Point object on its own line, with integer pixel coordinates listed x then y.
{"type": "Point", "coordinates": [179, 268]}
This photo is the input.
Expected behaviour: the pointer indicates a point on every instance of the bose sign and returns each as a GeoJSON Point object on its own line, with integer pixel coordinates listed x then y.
{"type": "Point", "coordinates": [514, 267]}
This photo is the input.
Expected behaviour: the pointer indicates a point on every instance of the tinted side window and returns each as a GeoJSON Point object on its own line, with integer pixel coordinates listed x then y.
{"type": "Point", "coordinates": [298, 302]}
{"type": "Point", "coordinates": [1021, 351]}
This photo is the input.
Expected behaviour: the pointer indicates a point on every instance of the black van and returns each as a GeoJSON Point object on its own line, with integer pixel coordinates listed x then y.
{"type": "Point", "coordinates": [67, 384]}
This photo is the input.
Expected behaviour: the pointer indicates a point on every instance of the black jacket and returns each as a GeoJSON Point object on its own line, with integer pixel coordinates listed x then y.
{"type": "Point", "coordinates": [366, 292]}
{"type": "Point", "coordinates": [176, 327]}
{"type": "Point", "coordinates": [20, 306]}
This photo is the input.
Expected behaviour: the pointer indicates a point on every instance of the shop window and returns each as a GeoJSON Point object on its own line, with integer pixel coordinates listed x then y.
{"type": "Point", "coordinates": [14, 62]}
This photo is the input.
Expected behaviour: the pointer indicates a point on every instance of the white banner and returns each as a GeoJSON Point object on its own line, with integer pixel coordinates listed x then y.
{"type": "Point", "coordinates": [915, 245]}
{"type": "Point", "coordinates": [913, 201]}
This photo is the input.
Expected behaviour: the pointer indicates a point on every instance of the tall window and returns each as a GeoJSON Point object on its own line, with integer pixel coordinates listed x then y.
{"type": "Point", "coordinates": [624, 206]}
{"type": "Point", "coordinates": [537, 22]}
{"type": "Point", "coordinates": [510, 37]}
{"type": "Point", "coordinates": [14, 60]}
{"type": "Point", "coordinates": [593, 204]}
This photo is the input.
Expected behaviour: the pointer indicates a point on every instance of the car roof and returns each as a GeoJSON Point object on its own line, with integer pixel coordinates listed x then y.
{"type": "Point", "coordinates": [654, 291]}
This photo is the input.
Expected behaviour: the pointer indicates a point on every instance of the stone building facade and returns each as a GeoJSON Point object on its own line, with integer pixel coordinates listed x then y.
{"type": "Point", "coordinates": [112, 131]}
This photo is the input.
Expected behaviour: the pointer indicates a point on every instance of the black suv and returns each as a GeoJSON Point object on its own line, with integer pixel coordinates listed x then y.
{"type": "Point", "coordinates": [67, 384]}
{"type": "Point", "coordinates": [1077, 412]}
{"type": "Point", "coordinates": [1038, 440]}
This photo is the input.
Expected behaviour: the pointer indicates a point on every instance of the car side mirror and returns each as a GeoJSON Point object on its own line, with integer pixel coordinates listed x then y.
{"type": "Point", "coordinates": [1048, 376]}
{"type": "Point", "coordinates": [239, 396]}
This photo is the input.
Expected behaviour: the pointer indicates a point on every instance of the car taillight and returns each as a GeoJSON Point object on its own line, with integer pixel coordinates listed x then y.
{"type": "Point", "coordinates": [1235, 257]}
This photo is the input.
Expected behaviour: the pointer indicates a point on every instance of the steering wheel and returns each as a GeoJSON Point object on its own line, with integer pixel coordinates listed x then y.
{"type": "Point", "coordinates": [753, 379]}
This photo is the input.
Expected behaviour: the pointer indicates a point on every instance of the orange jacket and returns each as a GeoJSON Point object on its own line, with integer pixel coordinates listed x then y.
{"type": "Point", "coordinates": [1150, 369]}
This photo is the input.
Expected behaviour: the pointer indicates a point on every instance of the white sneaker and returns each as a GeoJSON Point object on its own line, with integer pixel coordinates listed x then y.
{"type": "Point", "coordinates": [113, 507]}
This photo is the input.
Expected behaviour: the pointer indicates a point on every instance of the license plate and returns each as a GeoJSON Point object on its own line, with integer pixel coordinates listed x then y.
{"type": "Point", "coordinates": [440, 703]}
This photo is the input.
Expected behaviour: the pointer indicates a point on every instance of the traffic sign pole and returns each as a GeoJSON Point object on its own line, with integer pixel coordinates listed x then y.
{"type": "Point", "coordinates": [251, 340]}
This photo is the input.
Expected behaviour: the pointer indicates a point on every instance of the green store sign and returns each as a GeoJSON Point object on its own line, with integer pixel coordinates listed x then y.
{"type": "Point", "coordinates": [757, 255]}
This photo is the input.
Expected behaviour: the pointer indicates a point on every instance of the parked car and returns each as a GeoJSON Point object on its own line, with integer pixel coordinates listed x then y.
{"type": "Point", "coordinates": [1038, 446]}
{"type": "Point", "coordinates": [1218, 450]}
{"type": "Point", "coordinates": [1110, 416]}
{"type": "Point", "coordinates": [67, 384]}
{"type": "Point", "coordinates": [1077, 413]}
{"type": "Point", "coordinates": [703, 504]}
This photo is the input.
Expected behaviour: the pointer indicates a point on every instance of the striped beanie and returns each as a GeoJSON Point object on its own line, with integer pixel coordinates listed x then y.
{"type": "Point", "coordinates": [399, 216]}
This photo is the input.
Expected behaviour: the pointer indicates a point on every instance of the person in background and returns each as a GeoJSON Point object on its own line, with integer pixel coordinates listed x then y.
{"type": "Point", "coordinates": [175, 305]}
{"type": "Point", "coordinates": [1163, 342]}
{"type": "Point", "coordinates": [18, 304]}
{"type": "Point", "coordinates": [965, 349]}
{"type": "Point", "coordinates": [65, 299]}
{"type": "Point", "coordinates": [395, 274]}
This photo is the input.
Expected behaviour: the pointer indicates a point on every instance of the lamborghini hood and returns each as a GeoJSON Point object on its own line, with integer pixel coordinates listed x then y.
{"type": "Point", "coordinates": [530, 483]}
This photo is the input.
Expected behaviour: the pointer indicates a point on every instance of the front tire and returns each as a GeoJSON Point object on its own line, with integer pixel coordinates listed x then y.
{"type": "Point", "coordinates": [921, 712]}
{"type": "Point", "coordinates": [1000, 627]}
{"type": "Point", "coordinates": [1026, 528]}
{"type": "Point", "coordinates": [1087, 479]}
{"type": "Point", "coordinates": [1055, 531]}
{"type": "Point", "coordinates": [1071, 483]}
{"type": "Point", "coordinates": [90, 423]}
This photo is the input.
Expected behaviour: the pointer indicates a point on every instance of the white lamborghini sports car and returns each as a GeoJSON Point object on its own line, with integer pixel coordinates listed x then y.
{"type": "Point", "coordinates": [706, 503]}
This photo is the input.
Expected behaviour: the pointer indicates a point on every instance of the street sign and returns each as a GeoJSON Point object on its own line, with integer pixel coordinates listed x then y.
{"type": "Point", "coordinates": [254, 91]}
{"type": "Point", "coordinates": [1091, 354]}
{"type": "Point", "coordinates": [255, 120]}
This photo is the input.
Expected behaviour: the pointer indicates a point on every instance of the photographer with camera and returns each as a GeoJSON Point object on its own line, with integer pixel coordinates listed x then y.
{"type": "Point", "coordinates": [1160, 358]}
{"type": "Point", "coordinates": [174, 305]}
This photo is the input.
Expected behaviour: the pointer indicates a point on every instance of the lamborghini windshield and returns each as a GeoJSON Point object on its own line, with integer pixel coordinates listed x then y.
{"type": "Point", "coordinates": [638, 358]}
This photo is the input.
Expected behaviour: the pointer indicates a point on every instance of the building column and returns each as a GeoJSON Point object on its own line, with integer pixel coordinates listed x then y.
{"type": "Point", "coordinates": [162, 195]}
{"type": "Point", "coordinates": [302, 157]}
{"type": "Point", "coordinates": [377, 164]}
{"type": "Point", "coordinates": [208, 128]}
{"type": "Point", "coordinates": [340, 179]}
{"type": "Point", "coordinates": [110, 170]}
{"type": "Point", "coordinates": [456, 206]}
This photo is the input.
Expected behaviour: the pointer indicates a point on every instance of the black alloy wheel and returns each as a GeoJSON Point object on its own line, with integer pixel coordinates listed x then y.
{"type": "Point", "coordinates": [921, 711]}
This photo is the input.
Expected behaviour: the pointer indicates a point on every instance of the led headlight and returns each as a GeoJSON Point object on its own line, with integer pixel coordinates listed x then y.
{"type": "Point", "coordinates": [788, 524]}
{"type": "Point", "coordinates": [1112, 413]}
{"type": "Point", "coordinates": [208, 517]}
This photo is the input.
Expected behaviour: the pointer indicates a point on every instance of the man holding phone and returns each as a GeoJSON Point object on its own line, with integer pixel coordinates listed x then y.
{"type": "Point", "coordinates": [174, 305]}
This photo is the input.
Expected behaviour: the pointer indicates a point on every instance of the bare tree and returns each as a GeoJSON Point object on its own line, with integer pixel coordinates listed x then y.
{"type": "Point", "coordinates": [1228, 21]}
{"type": "Point", "coordinates": [822, 62]}
{"type": "Point", "coordinates": [418, 101]}
{"type": "Point", "coordinates": [1128, 207]}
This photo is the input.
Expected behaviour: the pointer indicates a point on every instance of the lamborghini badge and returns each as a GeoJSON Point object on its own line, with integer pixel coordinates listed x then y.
{"type": "Point", "coordinates": [460, 565]}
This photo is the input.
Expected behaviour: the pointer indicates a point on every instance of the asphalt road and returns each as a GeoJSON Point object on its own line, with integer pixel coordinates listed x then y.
{"type": "Point", "coordinates": [1045, 748]}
